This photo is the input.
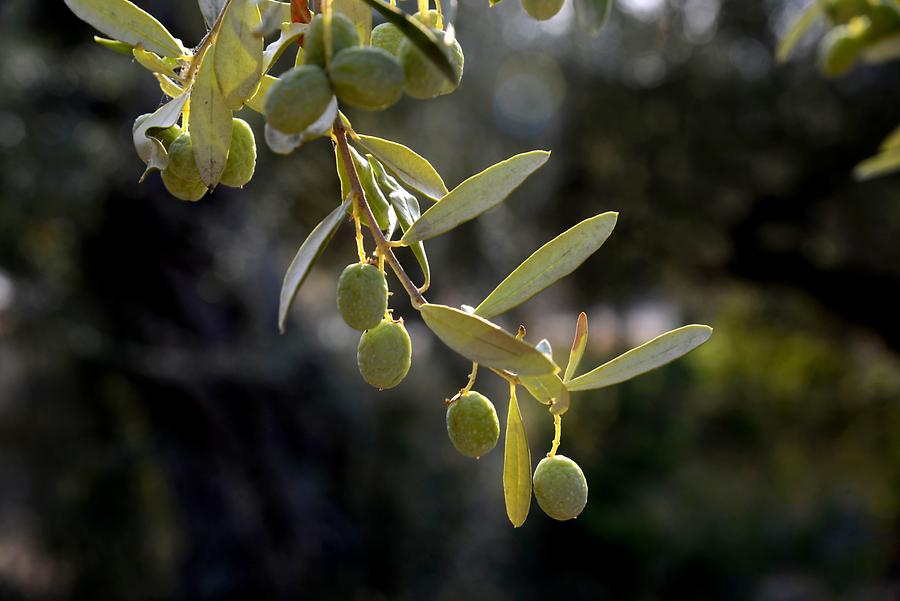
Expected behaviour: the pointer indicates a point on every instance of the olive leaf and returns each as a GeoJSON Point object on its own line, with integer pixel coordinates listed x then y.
{"type": "Point", "coordinates": [168, 86]}
{"type": "Point", "coordinates": [483, 342]}
{"type": "Point", "coordinates": [148, 148]}
{"type": "Point", "coordinates": [289, 34]}
{"type": "Point", "coordinates": [579, 342]}
{"type": "Point", "coordinates": [548, 389]}
{"type": "Point", "coordinates": [411, 168]}
{"type": "Point", "coordinates": [126, 22]}
{"type": "Point", "coordinates": [306, 256]}
{"type": "Point", "coordinates": [115, 45]}
{"type": "Point", "coordinates": [551, 262]}
{"type": "Point", "coordinates": [154, 62]}
{"type": "Point", "coordinates": [210, 122]}
{"type": "Point", "coordinates": [258, 101]}
{"type": "Point", "coordinates": [211, 10]}
{"type": "Point", "coordinates": [516, 465]}
{"type": "Point", "coordinates": [891, 141]}
{"type": "Point", "coordinates": [650, 355]}
{"type": "Point", "coordinates": [880, 164]}
{"type": "Point", "coordinates": [282, 143]}
{"type": "Point", "coordinates": [799, 27]}
{"type": "Point", "coordinates": [475, 196]}
{"type": "Point", "coordinates": [423, 38]}
{"type": "Point", "coordinates": [360, 14]}
{"type": "Point", "coordinates": [274, 14]}
{"type": "Point", "coordinates": [384, 213]}
{"type": "Point", "coordinates": [407, 208]}
{"type": "Point", "coordinates": [239, 53]}
{"type": "Point", "coordinates": [592, 15]}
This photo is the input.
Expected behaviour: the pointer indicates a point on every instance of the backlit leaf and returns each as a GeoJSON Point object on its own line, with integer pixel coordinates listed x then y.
{"type": "Point", "coordinates": [126, 22]}
{"type": "Point", "coordinates": [306, 257]}
{"type": "Point", "coordinates": [648, 356]}
{"type": "Point", "coordinates": [115, 45]}
{"type": "Point", "coordinates": [210, 122]}
{"type": "Point", "coordinates": [239, 53]}
{"type": "Point", "coordinates": [578, 345]}
{"type": "Point", "coordinates": [154, 62]}
{"type": "Point", "coordinates": [288, 38]}
{"type": "Point", "coordinates": [411, 168]}
{"type": "Point", "coordinates": [476, 195]}
{"type": "Point", "coordinates": [800, 26]}
{"type": "Point", "coordinates": [481, 341]}
{"type": "Point", "coordinates": [891, 141]}
{"type": "Point", "coordinates": [549, 390]}
{"type": "Point", "coordinates": [151, 150]}
{"type": "Point", "coordinates": [419, 35]}
{"type": "Point", "coordinates": [360, 14]}
{"type": "Point", "coordinates": [516, 465]}
{"type": "Point", "coordinates": [551, 262]}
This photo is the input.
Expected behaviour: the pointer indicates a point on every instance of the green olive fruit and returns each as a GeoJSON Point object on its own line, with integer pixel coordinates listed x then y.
{"type": "Point", "coordinates": [362, 296]}
{"type": "Point", "coordinates": [343, 35]}
{"type": "Point", "coordinates": [430, 20]}
{"type": "Point", "coordinates": [241, 162]}
{"type": "Point", "coordinates": [166, 135]}
{"type": "Point", "coordinates": [384, 354]}
{"type": "Point", "coordinates": [542, 10]}
{"type": "Point", "coordinates": [472, 424]}
{"type": "Point", "coordinates": [423, 78]}
{"type": "Point", "coordinates": [883, 20]}
{"type": "Point", "coordinates": [560, 487]}
{"type": "Point", "coordinates": [842, 11]}
{"type": "Point", "coordinates": [181, 176]}
{"type": "Point", "coordinates": [838, 51]}
{"type": "Point", "coordinates": [367, 78]}
{"type": "Point", "coordinates": [297, 99]}
{"type": "Point", "coordinates": [387, 37]}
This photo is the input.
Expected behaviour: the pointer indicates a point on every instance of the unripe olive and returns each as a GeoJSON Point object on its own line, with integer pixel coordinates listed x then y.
{"type": "Point", "coordinates": [362, 296]}
{"type": "Point", "coordinates": [838, 51]}
{"type": "Point", "coordinates": [343, 35]}
{"type": "Point", "coordinates": [560, 487]}
{"type": "Point", "coordinates": [883, 20]}
{"type": "Point", "coordinates": [384, 354]}
{"type": "Point", "coordinates": [472, 424]}
{"type": "Point", "coordinates": [842, 11]}
{"type": "Point", "coordinates": [297, 99]}
{"type": "Point", "coordinates": [542, 10]}
{"type": "Point", "coordinates": [241, 162]}
{"type": "Point", "coordinates": [181, 176]}
{"type": "Point", "coordinates": [165, 135]}
{"type": "Point", "coordinates": [387, 37]}
{"type": "Point", "coordinates": [367, 78]}
{"type": "Point", "coordinates": [423, 78]}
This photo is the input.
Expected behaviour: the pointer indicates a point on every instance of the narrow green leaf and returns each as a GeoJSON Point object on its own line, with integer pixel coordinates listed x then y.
{"type": "Point", "coordinates": [407, 208]}
{"type": "Point", "coordinates": [384, 213]}
{"type": "Point", "coordinates": [516, 465]}
{"type": "Point", "coordinates": [578, 345]}
{"type": "Point", "coordinates": [210, 122]}
{"type": "Point", "coordinates": [656, 353]}
{"type": "Point", "coordinates": [309, 252]}
{"type": "Point", "coordinates": [115, 45]}
{"type": "Point", "coordinates": [151, 150]}
{"type": "Point", "coordinates": [892, 141]}
{"type": "Point", "coordinates": [476, 195]}
{"type": "Point", "coordinates": [289, 34]}
{"type": "Point", "coordinates": [411, 168]}
{"type": "Point", "coordinates": [239, 53]}
{"type": "Point", "coordinates": [549, 390]}
{"type": "Point", "coordinates": [124, 21]}
{"type": "Point", "coordinates": [592, 15]}
{"type": "Point", "coordinates": [551, 262]}
{"type": "Point", "coordinates": [257, 102]}
{"type": "Point", "coordinates": [360, 14]}
{"type": "Point", "coordinates": [878, 165]}
{"type": "Point", "coordinates": [154, 62]}
{"type": "Point", "coordinates": [168, 86]}
{"type": "Point", "coordinates": [419, 35]}
{"type": "Point", "coordinates": [800, 26]}
{"type": "Point", "coordinates": [481, 341]}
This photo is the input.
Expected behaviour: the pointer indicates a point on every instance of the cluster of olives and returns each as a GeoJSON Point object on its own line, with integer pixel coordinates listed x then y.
{"type": "Point", "coordinates": [856, 25]}
{"type": "Point", "coordinates": [384, 353]}
{"type": "Point", "coordinates": [368, 77]}
{"type": "Point", "coordinates": [181, 176]}
{"type": "Point", "coordinates": [559, 484]}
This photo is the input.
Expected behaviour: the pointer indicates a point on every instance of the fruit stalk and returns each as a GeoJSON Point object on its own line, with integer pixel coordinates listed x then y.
{"type": "Point", "coordinates": [359, 200]}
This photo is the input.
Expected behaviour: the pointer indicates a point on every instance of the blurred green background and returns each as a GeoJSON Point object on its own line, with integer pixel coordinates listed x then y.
{"type": "Point", "coordinates": [160, 440]}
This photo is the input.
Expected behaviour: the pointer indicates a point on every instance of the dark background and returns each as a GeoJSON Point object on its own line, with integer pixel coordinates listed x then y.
{"type": "Point", "coordinates": [160, 440]}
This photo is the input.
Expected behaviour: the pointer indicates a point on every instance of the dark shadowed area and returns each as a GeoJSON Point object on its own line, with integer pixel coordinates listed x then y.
{"type": "Point", "coordinates": [160, 440]}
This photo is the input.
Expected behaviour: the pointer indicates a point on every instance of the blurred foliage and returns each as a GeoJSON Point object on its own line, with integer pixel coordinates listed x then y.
{"type": "Point", "coordinates": [158, 439]}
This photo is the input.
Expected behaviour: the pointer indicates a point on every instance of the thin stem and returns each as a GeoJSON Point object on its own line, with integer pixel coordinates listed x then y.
{"type": "Point", "coordinates": [471, 382]}
{"type": "Point", "coordinates": [359, 199]}
{"type": "Point", "coordinates": [557, 426]}
{"type": "Point", "coordinates": [360, 246]}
